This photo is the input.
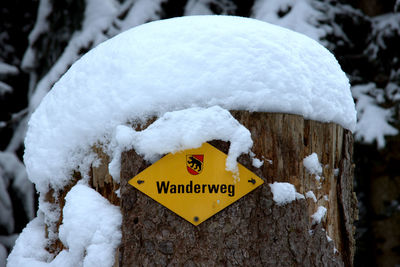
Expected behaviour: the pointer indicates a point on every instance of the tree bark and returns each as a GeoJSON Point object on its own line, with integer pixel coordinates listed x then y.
{"type": "Point", "coordinates": [254, 231]}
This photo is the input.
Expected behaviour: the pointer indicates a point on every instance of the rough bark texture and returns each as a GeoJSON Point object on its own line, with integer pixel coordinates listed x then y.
{"type": "Point", "coordinates": [254, 231]}
{"type": "Point", "coordinates": [101, 180]}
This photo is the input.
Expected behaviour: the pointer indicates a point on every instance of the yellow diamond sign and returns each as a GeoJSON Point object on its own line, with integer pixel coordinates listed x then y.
{"type": "Point", "coordinates": [194, 183]}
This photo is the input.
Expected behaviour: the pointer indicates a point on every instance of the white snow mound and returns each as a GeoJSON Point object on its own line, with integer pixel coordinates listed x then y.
{"type": "Point", "coordinates": [90, 231]}
{"type": "Point", "coordinates": [197, 61]}
{"type": "Point", "coordinates": [318, 215]}
{"type": "Point", "coordinates": [179, 130]}
{"type": "Point", "coordinates": [284, 193]}
{"type": "Point", "coordinates": [312, 164]}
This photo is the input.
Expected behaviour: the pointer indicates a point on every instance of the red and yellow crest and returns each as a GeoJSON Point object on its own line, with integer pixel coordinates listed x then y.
{"type": "Point", "coordinates": [195, 163]}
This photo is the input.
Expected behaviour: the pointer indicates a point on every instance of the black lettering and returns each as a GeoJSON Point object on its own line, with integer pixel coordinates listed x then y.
{"type": "Point", "coordinates": [165, 187]}
{"type": "Point", "coordinates": [181, 188]}
{"type": "Point", "coordinates": [223, 188]}
{"type": "Point", "coordinates": [197, 188]}
{"type": "Point", "coordinates": [162, 187]}
{"type": "Point", "coordinates": [213, 188]}
{"type": "Point", "coordinates": [231, 190]}
{"type": "Point", "coordinates": [173, 189]}
{"type": "Point", "coordinates": [189, 187]}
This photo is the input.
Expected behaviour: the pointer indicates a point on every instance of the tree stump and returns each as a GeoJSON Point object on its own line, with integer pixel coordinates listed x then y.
{"type": "Point", "coordinates": [254, 231]}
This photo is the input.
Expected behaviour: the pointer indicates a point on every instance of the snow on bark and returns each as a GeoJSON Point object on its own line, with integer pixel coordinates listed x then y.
{"type": "Point", "coordinates": [257, 163]}
{"type": "Point", "coordinates": [318, 215]}
{"type": "Point", "coordinates": [312, 164]}
{"type": "Point", "coordinates": [310, 194]}
{"type": "Point", "coordinates": [284, 193]}
{"type": "Point", "coordinates": [91, 232]}
{"type": "Point", "coordinates": [184, 129]}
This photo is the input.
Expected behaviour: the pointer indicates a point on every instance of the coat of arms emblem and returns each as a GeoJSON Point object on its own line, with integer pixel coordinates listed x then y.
{"type": "Point", "coordinates": [194, 163]}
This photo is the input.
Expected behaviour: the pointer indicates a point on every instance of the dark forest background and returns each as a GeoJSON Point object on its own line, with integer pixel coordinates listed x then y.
{"type": "Point", "coordinates": [40, 40]}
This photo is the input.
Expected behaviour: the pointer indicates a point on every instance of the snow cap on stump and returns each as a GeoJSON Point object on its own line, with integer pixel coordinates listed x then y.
{"type": "Point", "coordinates": [199, 61]}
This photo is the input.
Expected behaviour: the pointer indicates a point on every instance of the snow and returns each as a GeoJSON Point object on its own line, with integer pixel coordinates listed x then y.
{"type": "Point", "coordinates": [99, 14]}
{"type": "Point", "coordinates": [205, 7]}
{"type": "Point", "coordinates": [19, 132]}
{"type": "Point", "coordinates": [3, 255]}
{"type": "Point", "coordinates": [7, 69]}
{"type": "Point", "coordinates": [118, 192]}
{"type": "Point", "coordinates": [141, 12]}
{"type": "Point", "coordinates": [257, 163]}
{"type": "Point", "coordinates": [91, 237]}
{"type": "Point", "coordinates": [4, 88]}
{"type": "Point", "coordinates": [6, 212]}
{"type": "Point", "coordinates": [99, 224]}
{"type": "Point", "coordinates": [140, 78]}
{"type": "Point", "coordinates": [383, 26]}
{"type": "Point", "coordinates": [41, 26]}
{"type": "Point", "coordinates": [8, 241]}
{"type": "Point", "coordinates": [312, 164]}
{"type": "Point", "coordinates": [336, 172]}
{"type": "Point", "coordinates": [318, 215]}
{"type": "Point", "coordinates": [392, 89]}
{"type": "Point", "coordinates": [175, 71]}
{"type": "Point", "coordinates": [179, 130]}
{"type": "Point", "coordinates": [13, 172]}
{"type": "Point", "coordinates": [13, 176]}
{"type": "Point", "coordinates": [29, 249]}
{"type": "Point", "coordinates": [310, 194]}
{"type": "Point", "coordinates": [373, 120]}
{"type": "Point", "coordinates": [284, 193]}
{"type": "Point", "coordinates": [194, 7]}
{"type": "Point", "coordinates": [297, 15]}
{"type": "Point", "coordinates": [394, 204]}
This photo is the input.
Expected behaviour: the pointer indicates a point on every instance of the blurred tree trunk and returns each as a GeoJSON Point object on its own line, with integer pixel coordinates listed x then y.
{"type": "Point", "coordinates": [375, 7]}
{"type": "Point", "coordinates": [255, 231]}
{"type": "Point", "coordinates": [380, 185]}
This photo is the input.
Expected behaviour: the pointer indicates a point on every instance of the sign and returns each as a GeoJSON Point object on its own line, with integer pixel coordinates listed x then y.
{"type": "Point", "coordinates": [194, 183]}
